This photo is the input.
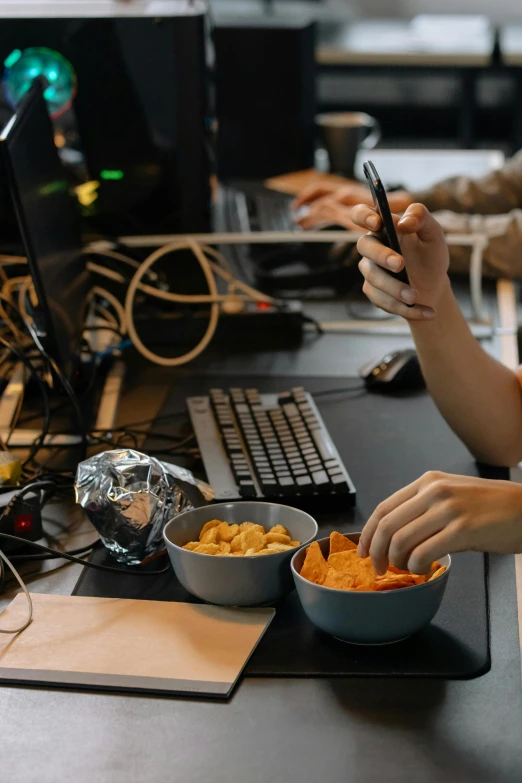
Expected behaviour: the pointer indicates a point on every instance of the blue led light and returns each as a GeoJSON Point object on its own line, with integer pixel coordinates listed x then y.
{"type": "Point", "coordinates": [21, 68]}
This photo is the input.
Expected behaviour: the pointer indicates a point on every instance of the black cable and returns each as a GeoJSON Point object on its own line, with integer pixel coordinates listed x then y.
{"type": "Point", "coordinates": [83, 550]}
{"type": "Point", "coordinates": [37, 445]}
{"type": "Point", "coordinates": [65, 385]}
{"type": "Point", "coordinates": [73, 559]}
{"type": "Point", "coordinates": [340, 390]}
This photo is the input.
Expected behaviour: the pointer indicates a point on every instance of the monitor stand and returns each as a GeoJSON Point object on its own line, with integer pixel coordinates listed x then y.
{"type": "Point", "coordinates": [20, 438]}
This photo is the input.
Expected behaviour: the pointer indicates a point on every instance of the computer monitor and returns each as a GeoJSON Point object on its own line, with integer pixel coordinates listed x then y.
{"type": "Point", "coordinates": [129, 90]}
{"type": "Point", "coordinates": [48, 221]}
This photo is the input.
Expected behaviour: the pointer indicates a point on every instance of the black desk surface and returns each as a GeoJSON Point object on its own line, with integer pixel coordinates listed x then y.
{"type": "Point", "coordinates": [296, 731]}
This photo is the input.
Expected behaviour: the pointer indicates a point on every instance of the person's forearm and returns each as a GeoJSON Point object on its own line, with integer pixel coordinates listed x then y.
{"type": "Point", "coordinates": [480, 398]}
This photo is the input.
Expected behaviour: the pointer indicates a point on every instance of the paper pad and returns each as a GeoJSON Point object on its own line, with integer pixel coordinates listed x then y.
{"type": "Point", "coordinates": [130, 644]}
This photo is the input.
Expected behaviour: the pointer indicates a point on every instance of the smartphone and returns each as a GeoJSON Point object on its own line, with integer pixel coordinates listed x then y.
{"type": "Point", "coordinates": [387, 234]}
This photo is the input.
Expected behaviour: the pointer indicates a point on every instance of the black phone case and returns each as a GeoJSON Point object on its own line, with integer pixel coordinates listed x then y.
{"type": "Point", "coordinates": [387, 235]}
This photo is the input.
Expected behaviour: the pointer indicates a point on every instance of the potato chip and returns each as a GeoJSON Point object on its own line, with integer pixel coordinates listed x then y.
{"type": "Point", "coordinates": [247, 539]}
{"type": "Point", "coordinates": [249, 525]}
{"type": "Point", "coordinates": [315, 568]}
{"type": "Point", "coordinates": [276, 547]}
{"type": "Point", "coordinates": [252, 539]}
{"type": "Point", "coordinates": [279, 529]}
{"type": "Point", "coordinates": [236, 543]}
{"type": "Point", "coordinates": [210, 536]}
{"type": "Point", "coordinates": [227, 532]}
{"type": "Point", "coordinates": [208, 526]}
{"type": "Point", "coordinates": [207, 549]}
{"type": "Point", "coordinates": [277, 538]}
{"type": "Point", "coordinates": [338, 543]}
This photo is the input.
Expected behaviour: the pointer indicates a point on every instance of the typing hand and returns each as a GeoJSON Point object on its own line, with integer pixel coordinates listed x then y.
{"type": "Point", "coordinates": [349, 194]}
{"type": "Point", "coordinates": [425, 253]}
{"type": "Point", "coordinates": [439, 514]}
{"type": "Point", "coordinates": [325, 212]}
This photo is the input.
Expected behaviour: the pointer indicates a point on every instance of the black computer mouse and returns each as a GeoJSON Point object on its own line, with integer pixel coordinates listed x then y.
{"type": "Point", "coordinates": [397, 371]}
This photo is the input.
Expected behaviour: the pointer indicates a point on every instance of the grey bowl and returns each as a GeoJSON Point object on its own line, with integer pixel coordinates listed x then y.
{"type": "Point", "coordinates": [236, 581]}
{"type": "Point", "coordinates": [369, 617]}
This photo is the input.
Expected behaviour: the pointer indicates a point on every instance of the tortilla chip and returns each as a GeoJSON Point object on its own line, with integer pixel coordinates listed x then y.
{"type": "Point", "coordinates": [315, 568]}
{"type": "Point", "coordinates": [224, 548]}
{"type": "Point", "coordinates": [338, 543]}
{"type": "Point", "coordinates": [393, 582]}
{"type": "Point", "coordinates": [191, 545]}
{"type": "Point", "coordinates": [437, 573]}
{"type": "Point", "coordinates": [339, 580]}
{"type": "Point", "coordinates": [348, 560]}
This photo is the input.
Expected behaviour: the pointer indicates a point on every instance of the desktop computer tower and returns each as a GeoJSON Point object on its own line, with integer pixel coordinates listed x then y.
{"type": "Point", "coordinates": [265, 98]}
{"type": "Point", "coordinates": [137, 99]}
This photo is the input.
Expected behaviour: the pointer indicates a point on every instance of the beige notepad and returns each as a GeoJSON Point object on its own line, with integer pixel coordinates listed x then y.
{"type": "Point", "coordinates": [135, 645]}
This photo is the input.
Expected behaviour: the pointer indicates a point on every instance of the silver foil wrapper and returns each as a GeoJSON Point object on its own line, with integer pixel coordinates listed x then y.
{"type": "Point", "coordinates": [129, 497]}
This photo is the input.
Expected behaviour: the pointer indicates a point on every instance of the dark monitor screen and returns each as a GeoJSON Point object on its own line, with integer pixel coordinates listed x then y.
{"type": "Point", "coordinates": [48, 220]}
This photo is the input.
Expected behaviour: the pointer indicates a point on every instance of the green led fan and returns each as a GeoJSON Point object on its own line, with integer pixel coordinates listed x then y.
{"type": "Point", "coordinates": [22, 67]}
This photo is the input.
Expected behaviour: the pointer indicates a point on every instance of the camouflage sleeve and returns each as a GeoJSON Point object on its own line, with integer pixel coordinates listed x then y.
{"type": "Point", "coordinates": [495, 194]}
{"type": "Point", "coordinates": [503, 254]}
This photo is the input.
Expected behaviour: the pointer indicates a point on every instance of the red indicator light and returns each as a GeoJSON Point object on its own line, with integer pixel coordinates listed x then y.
{"type": "Point", "coordinates": [264, 306]}
{"type": "Point", "coordinates": [23, 523]}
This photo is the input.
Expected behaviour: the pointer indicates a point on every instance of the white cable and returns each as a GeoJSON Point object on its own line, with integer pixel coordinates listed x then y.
{"type": "Point", "coordinates": [167, 296]}
{"type": "Point", "coordinates": [27, 595]}
{"type": "Point", "coordinates": [214, 307]}
{"type": "Point", "coordinates": [97, 290]}
{"type": "Point", "coordinates": [118, 257]}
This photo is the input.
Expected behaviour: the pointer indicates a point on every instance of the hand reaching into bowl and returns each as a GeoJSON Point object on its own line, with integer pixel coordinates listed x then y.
{"type": "Point", "coordinates": [439, 514]}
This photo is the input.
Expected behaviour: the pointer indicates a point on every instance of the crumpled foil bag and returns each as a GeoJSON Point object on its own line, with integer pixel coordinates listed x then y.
{"type": "Point", "coordinates": [129, 497]}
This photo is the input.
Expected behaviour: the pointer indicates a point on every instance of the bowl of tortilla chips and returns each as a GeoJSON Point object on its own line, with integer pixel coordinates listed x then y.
{"type": "Point", "coordinates": [343, 596]}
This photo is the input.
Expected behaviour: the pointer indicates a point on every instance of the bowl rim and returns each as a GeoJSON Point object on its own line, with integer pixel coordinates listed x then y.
{"type": "Point", "coordinates": [296, 573]}
{"type": "Point", "coordinates": [287, 552]}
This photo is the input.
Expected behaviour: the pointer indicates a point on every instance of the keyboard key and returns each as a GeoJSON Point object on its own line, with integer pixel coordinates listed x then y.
{"type": "Point", "coordinates": [323, 446]}
{"type": "Point", "coordinates": [286, 482]}
{"type": "Point", "coordinates": [320, 478]}
{"type": "Point", "coordinates": [303, 481]}
{"type": "Point", "coordinates": [291, 410]}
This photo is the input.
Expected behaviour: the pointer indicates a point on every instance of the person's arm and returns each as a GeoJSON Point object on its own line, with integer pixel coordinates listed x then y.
{"type": "Point", "coordinates": [497, 193]}
{"type": "Point", "coordinates": [502, 255]}
{"type": "Point", "coordinates": [440, 513]}
{"type": "Point", "coordinates": [479, 397]}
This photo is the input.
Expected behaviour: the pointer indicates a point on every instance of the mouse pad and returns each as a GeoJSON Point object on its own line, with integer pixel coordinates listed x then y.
{"type": "Point", "coordinates": [385, 443]}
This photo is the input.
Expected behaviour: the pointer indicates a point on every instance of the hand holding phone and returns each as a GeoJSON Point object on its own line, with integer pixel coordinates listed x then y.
{"type": "Point", "coordinates": [387, 234]}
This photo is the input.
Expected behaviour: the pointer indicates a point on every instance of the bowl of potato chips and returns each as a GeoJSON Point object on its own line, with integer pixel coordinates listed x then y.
{"type": "Point", "coordinates": [237, 554]}
{"type": "Point", "coordinates": [342, 595]}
